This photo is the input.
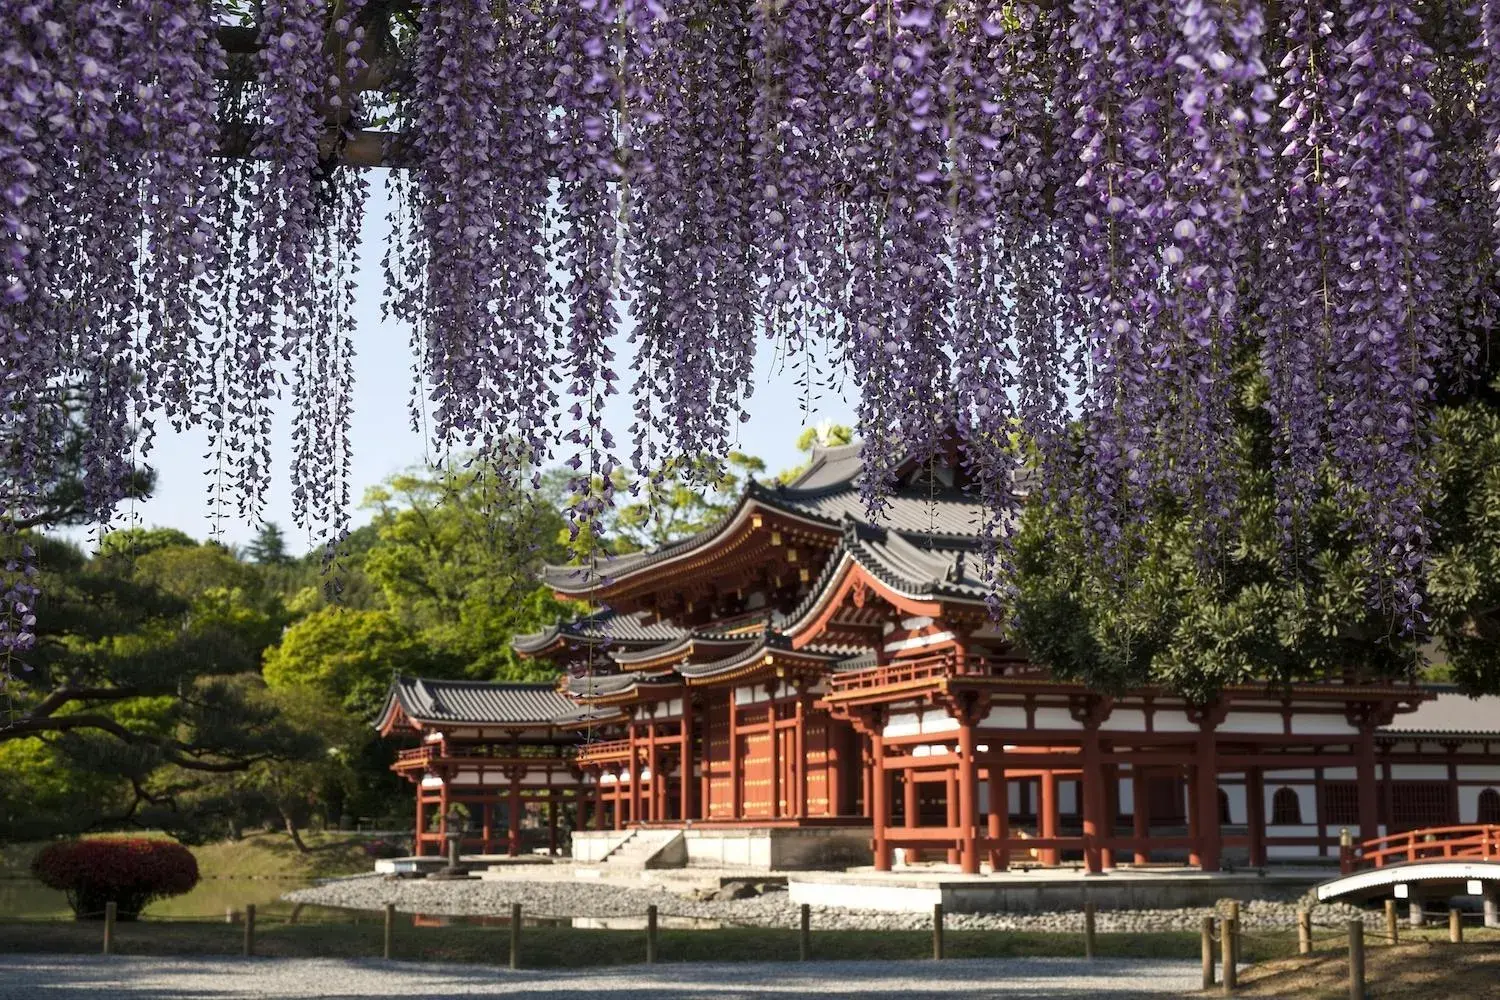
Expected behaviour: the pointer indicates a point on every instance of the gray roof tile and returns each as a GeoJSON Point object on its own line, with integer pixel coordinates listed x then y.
{"type": "Point", "coordinates": [1451, 712]}
{"type": "Point", "coordinates": [480, 702]}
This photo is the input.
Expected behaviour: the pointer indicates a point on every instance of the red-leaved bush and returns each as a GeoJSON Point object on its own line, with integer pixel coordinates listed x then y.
{"type": "Point", "coordinates": [130, 872]}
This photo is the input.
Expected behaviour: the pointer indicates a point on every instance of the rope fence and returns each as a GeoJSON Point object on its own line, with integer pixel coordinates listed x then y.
{"type": "Point", "coordinates": [1223, 938]}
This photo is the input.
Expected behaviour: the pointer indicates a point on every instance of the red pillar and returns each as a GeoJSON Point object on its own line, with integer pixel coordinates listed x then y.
{"type": "Point", "coordinates": [968, 796]}
{"type": "Point", "coordinates": [1091, 794]}
{"type": "Point", "coordinates": [950, 800]}
{"type": "Point", "coordinates": [1255, 815]}
{"type": "Point", "coordinates": [1195, 857]}
{"type": "Point", "coordinates": [442, 818]}
{"type": "Point", "coordinates": [997, 824]}
{"type": "Point", "coordinates": [1111, 799]}
{"type": "Point", "coordinates": [1207, 783]}
{"type": "Point", "coordinates": [552, 824]}
{"type": "Point", "coordinates": [1047, 817]}
{"type": "Point", "coordinates": [799, 757]}
{"type": "Point", "coordinates": [1140, 810]}
{"type": "Point", "coordinates": [736, 779]}
{"type": "Point", "coordinates": [619, 797]}
{"type": "Point", "coordinates": [910, 805]}
{"type": "Point", "coordinates": [635, 776]}
{"type": "Point", "coordinates": [685, 762]}
{"type": "Point", "coordinates": [416, 840]}
{"type": "Point", "coordinates": [486, 817]}
{"type": "Point", "coordinates": [775, 752]}
{"type": "Point", "coordinates": [880, 813]}
{"type": "Point", "coordinates": [515, 814]}
{"type": "Point", "coordinates": [653, 764]}
{"type": "Point", "coordinates": [1364, 776]}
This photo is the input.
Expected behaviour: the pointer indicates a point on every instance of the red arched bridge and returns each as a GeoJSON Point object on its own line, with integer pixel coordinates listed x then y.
{"type": "Point", "coordinates": [1436, 862]}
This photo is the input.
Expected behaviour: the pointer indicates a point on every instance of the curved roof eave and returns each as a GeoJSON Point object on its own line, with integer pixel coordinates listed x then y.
{"type": "Point", "coordinates": [574, 580]}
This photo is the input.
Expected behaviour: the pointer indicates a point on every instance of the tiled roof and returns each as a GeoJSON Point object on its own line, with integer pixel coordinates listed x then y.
{"type": "Point", "coordinates": [1452, 713]}
{"type": "Point", "coordinates": [479, 702]}
{"type": "Point", "coordinates": [639, 629]}
{"type": "Point", "coordinates": [829, 466]}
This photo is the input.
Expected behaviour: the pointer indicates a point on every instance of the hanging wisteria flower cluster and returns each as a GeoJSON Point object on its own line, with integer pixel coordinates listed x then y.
{"type": "Point", "coordinates": [1033, 222]}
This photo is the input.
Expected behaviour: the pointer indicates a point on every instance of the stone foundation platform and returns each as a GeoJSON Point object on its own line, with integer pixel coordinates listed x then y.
{"type": "Point", "coordinates": [748, 848]}
{"type": "Point", "coordinates": [1044, 890]}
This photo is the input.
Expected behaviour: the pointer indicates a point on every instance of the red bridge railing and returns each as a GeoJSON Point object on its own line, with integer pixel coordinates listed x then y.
{"type": "Point", "coordinates": [1433, 843]}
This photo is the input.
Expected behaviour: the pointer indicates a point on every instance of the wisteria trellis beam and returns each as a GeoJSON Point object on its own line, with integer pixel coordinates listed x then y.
{"type": "Point", "coordinates": [1014, 220]}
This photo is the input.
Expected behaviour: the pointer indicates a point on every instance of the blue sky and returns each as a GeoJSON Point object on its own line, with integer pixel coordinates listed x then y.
{"type": "Point", "coordinates": [382, 439]}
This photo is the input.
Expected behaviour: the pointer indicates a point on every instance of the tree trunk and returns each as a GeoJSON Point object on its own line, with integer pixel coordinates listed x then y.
{"type": "Point", "coordinates": [293, 832]}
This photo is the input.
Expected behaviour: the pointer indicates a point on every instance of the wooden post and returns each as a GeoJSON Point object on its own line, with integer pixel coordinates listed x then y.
{"type": "Point", "coordinates": [1304, 932]}
{"type": "Point", "coordinates": [1455, 927]}
{"type": "Point", "coordinates": [1392, 925]}
{"type": "Point", "coordinates": [249, 946]}
{"type": "Point", "coordinates": [937, 930]}
{"type": "Point", "coordinates": [231, 915]}
{"type": "Point", "coordinates": [515, 935]}
{"type": "Point", "coordinates": [1206, 934]}
{"type": "Point", "coordinates": [1088, 929]}
{"type": "Point", "coordinates": [1234, 918]}
{"type": "Point", "coordinates": [1227, 949]}
{"type": "Point", "coordinates": [1047, 820]}
{"type": "Point", "coordinates": [110, 911]}
{"type": "Point", "coordinates": [1356, 960]}
{"type": "Point", "coordinates": [389, 940]}
{"type": "Point", "coordinates": [651, 934]}
{"type": "Point", "coordinates": [296, 912]}
{"type": "Point", "coordinates": [804, 936]}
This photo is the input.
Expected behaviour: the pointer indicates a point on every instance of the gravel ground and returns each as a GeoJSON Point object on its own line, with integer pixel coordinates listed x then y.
{"type": "Point", "coordinates": [566, 897]}
{"type": "Point", "coordinates": [73, 978]}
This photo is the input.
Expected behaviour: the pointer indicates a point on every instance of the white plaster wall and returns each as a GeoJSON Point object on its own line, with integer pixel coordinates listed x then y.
{"type": "Point", "coordinates": [1421, 772]}
{"type": "Point", "coordinates": [903, 724]}
{"type": "Point", "coordinates": [912, 624]}
{"type": "Point", "coordinates": [1013, 792]}
{"type": "Point", "coordinates": [1006, 717]}
{"type": "Point", "coordinates": [1321, 723]}
{"type": "Point", "coordinates": [1127, 797]}
{"type": "Point", "coordinates": [1237, 809]}
{"type": "Point", "coordinates": [1127, 720]}
{"type": "Point", "coordinates": [1056, 718]}
{"type": "Point", "coordinates": [1067, 796]}
{"type": "Point", "coordinates": [1478, 772]}
{"type": "Point", "coordinates": [1342, 774]}
{"type": "Point", "coordinates": [1302, 774]}
{"type": "Point", "coordinates": [1173, 722]}
{"type": "Point", "coordinates": [1251, 722]}
{"type": "Point", "coordinates": [938, 722]}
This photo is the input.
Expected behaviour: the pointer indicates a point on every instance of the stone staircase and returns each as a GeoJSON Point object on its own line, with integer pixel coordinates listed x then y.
{"type": "Point", "coordinates": [645, 849]}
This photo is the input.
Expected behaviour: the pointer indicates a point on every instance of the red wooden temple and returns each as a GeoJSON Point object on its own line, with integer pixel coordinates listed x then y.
{"type": "Point", "coordinates": [832, 686]}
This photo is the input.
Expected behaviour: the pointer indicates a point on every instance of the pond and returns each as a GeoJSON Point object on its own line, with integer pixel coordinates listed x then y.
{"type": "Point", "coordinates": [24, 898]}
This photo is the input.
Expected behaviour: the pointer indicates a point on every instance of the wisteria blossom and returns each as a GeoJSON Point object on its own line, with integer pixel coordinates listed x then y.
{"type": "Point", "coordinates": [1059, 233]}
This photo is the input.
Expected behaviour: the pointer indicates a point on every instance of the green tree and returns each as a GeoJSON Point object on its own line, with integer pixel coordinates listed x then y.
{"type": "Point", "coordinates": [268, 547]}
{"type": "Point", "coordinates": [1195, 616]}
{"type": "Point", "coordinates": [456, 558]}
{"type": "Point", "coordinates": [136, 671]}
{"type": "Point", "coordinates": [347, 658]}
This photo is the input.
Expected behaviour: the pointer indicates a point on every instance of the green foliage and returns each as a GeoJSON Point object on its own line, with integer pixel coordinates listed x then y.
{"type": "Point", "coordinates": [456, 557]}
{"type": "Point", "coordinates": [268, 547]}
{"type": "Point", "coordinates": [1197, 615]}
{"type": "Point", "coordinates": [348, 657]}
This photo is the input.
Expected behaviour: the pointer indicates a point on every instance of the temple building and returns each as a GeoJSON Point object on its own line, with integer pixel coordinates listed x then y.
{"type": "Point", "coordinates": [800, 685]}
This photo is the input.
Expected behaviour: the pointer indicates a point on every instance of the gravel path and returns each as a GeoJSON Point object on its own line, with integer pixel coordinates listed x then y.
{"type": "Point", "coordinates": [567, 897]}
{"type": "Point", "coordinates": [73, 978]}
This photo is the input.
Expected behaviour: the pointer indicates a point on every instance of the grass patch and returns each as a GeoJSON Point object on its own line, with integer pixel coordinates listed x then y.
{"type": "Point", "coordinates": [1419, 971]}
{"type": "Point", "coordinates": [257, 869]}
{"type": "Point", "coordinates": [567, 947]}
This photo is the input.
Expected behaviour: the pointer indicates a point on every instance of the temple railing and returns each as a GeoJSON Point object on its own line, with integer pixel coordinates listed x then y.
{"type": "Point", "coordinates": [917, 668]}
{"type": "Point", "coordinates": [442, 750]}
{"type": "Point", "coordinates": [1433, 843]}
{"type": "Point", "coordinates": [607, 750]}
